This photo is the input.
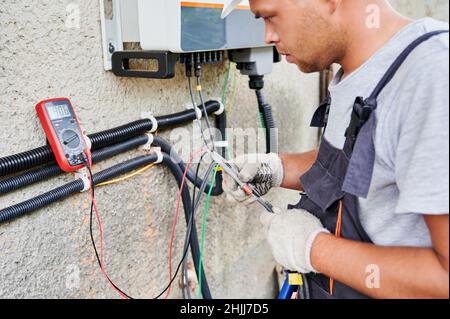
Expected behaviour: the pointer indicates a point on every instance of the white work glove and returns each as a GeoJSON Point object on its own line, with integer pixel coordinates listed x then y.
{"type": "Point", "coordinates": [261, 171]}
{"type": "Point", "coordinates": [291, 234]}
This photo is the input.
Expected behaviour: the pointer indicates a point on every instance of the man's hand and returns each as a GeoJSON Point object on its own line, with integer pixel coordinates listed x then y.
{"type": "Point", "coordinates": [262, 171]}
{"type": "Point", "coordinates": [291, 234]}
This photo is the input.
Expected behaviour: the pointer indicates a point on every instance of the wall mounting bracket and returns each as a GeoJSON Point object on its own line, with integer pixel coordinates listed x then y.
{"type": "Point", "coordinates": [165, 69]}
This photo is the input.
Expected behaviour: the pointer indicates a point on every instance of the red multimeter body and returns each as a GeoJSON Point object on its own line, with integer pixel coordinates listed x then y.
{"type": "Point", "coordinates": [63, 132]}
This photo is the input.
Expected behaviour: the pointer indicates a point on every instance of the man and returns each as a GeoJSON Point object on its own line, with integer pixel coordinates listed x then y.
{"type": "Point", "coordinates": [373, 217]}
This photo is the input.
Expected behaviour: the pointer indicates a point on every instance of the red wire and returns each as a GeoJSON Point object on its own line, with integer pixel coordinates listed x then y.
{"type": "Point", "coordinates": [100, 229]}
{"type": "Point", "coordinates": [174, 223]}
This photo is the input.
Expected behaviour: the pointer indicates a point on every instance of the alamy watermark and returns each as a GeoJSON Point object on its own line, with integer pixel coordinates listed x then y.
{"type": "Point", "coordinates": [373, 278]}
{"type": "Point", "coordinates": [237, 141]}
{"type": "Point", "coordinates": [373, 20]}
{"type": "Point", "coordinates": [73, 16]}
{"type": "Point", "coordinates": [72, 277]}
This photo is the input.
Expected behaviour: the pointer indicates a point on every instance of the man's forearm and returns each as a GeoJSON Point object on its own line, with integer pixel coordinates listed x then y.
{"type": "Point", "coordinates": [381, 272]}
{"type": "Point", "coordinates": [295, 165]}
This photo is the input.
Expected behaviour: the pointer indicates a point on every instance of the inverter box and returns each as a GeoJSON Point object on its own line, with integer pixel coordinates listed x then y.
{"type": "Point", "coordinates": [190, 26]}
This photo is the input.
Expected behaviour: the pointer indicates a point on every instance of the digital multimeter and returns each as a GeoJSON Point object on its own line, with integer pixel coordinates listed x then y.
{"type": "Point", "coordinates": [64, 133]}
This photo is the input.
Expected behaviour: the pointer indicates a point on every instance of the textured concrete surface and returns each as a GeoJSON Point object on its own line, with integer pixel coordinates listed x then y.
{"type": "Point", "coordinates": [48, 253]}
{"type": "Point", "coordinates": [419, 8]}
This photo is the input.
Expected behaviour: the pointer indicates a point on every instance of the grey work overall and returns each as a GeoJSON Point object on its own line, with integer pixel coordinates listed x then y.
{"type": "Point", "coordinates": [338, 177]}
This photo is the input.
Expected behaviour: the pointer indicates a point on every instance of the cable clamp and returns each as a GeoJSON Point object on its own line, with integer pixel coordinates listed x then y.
{"type": "Point", "coordinates": [84, 176]}
{"type": "Point", "coordinates": [221, 108]}
{"type": "Point", "coordinates": [149, 115]}
{"type": "Point", "coordinates": [198, 111]}
{"type": "Point", "coordinates": [158, 152]}
{"type": "Point", "coordinates": [148, 146]}
{"type": "Point", "coordinates": [88, 141]}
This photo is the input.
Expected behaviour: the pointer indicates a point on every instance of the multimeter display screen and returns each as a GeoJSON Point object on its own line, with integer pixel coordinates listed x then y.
{"type": "Point", "coordinates": [57, 112]}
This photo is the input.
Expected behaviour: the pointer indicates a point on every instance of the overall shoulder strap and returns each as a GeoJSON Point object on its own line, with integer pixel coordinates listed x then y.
{"type": "Point", "coordinates": [399, 61]}
{"type": "Point", "coordinates": [359, 142]}
{"type": "Point", "coordinates": [363, 108]}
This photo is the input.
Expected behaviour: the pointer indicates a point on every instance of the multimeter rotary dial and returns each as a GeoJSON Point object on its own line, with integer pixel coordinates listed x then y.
{"type": "Point", "coordinates": [70, 139]}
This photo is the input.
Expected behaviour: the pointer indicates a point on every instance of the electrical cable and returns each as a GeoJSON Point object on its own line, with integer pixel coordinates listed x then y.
{"type": "Point", "coordinates": [185, 279]}
{"type": "Point", "coordinates": [167, 148]}
{"type": "Point", "coordinates": [100, 259]}
{"type": "Point", "coordinates": [124, 178]}
{"type": "Point", "coordinates": [205, 214]}
{"type": "Point", "coordinates": [183, 259]}
{"type": "Point", "coordinates": [199, 122]}
{"type": "Point", "coordinates": [188, 64]}
{"type": "Point", "coordinates": [192, 235]}
{"type": "Point", "coordinates": [202, 103]}
{"type": "Point", "coordinates": [174, 223]}
{"type": "Point", "coordinates": [197, 202]}
{"type": "Point", "coordinates": [186, 198]}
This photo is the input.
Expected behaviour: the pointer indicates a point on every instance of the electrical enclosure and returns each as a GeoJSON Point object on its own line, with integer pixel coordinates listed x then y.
{"type": "Point", "coordinates": [189, 26]}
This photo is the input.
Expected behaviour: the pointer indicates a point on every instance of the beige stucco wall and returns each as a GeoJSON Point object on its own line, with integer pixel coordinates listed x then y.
{"type": "Point", "coordinates": [48, 253]}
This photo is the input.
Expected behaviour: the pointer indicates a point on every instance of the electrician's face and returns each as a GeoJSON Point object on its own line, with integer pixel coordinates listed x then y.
{"type": "Point", "coordinates": [307, 32]}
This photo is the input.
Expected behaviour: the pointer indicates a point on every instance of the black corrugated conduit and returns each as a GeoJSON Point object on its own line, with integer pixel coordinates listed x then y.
{"type": "Point", "coordinates": [43, 155]}
{"type": "Point", "coordinates": [40, 174]}
{"type": "Point", "coordinates": [256, 83]}
{"type": "Point", "coordinates": [77, 186]}
{"type": "Point", "coordinates": [71, 188]}
{"type": "Point", "coordinates": [269, 123]}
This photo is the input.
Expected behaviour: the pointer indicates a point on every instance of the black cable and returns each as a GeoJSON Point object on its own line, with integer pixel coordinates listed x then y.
{"type": "Point", "coordinates": [194, 104]}
{"type": "Point", "coordinates": [186, 199]}
{"type": "Point", "coordinates": [176, 273]}
{"type": "Point", "coordinates": [186, 243]}
{"type": "Point", "coordinates": [202, 103]}
{"type": "Point", "coordinates": [190, 225]}
{"type": "Point", "coordinates": [191, 220]}
{"type": "Point", "coordinates": [189, 235]}
{"type": "Point", "coordinates": [167, 148]}
{"type": "Point", "coordinates": [88, 166]}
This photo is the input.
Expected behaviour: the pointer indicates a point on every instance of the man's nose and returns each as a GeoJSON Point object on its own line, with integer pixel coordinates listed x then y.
{"type": "Point", "coordinates": [271, 35]}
